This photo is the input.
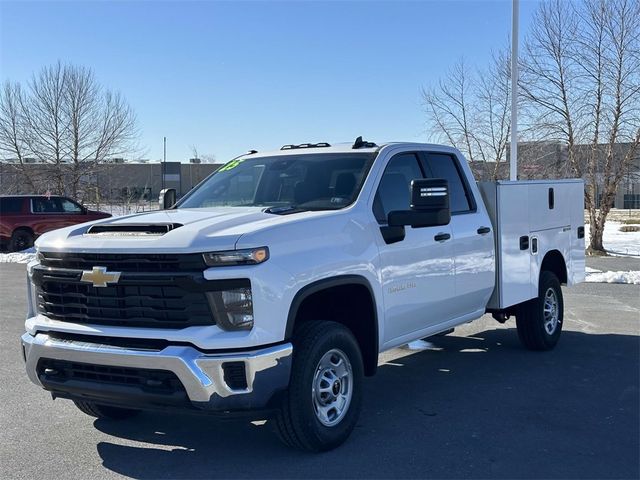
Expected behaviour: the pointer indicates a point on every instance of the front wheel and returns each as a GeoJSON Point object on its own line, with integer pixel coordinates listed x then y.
{"type": "Point", "coordinates": [21, 239]}
{"type": "Point", "coordinates": [322, 405]}
{"type": "Point", "coordinates": [539, 321]}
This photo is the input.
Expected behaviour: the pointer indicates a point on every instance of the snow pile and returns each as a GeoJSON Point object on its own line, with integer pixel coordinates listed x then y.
{"type": "Point", "coordinates": [617, 242]}
{"type": "Point", "coordinates": [24, 256]}
{"type": "Point", "coordinates": [118, 210]}
{"type": "Point", "coordinates": [595, 276]}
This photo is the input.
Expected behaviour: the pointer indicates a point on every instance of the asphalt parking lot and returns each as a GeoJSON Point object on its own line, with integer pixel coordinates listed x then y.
{"type": "Point", "coordinates": [476, 405]}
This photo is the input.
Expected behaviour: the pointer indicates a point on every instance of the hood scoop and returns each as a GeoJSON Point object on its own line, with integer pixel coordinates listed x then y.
{"type": "Point", "coordinates": [132, 229]}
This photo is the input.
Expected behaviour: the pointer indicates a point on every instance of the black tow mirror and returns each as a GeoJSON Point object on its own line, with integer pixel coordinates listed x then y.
{"type": "Point", "coordinates": [167, 198]}
{"type": "Point", "coordinates": [429, 205]}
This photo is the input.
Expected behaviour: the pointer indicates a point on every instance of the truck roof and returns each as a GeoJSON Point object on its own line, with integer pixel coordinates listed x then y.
{"type": "Point", "coordinates": [344, 147]}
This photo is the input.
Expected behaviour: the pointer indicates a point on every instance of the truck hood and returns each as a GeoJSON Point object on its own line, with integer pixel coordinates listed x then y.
{"type": "Point", "coordinates": [192, 230]}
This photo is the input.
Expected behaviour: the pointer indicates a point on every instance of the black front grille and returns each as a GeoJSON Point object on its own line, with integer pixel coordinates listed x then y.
{"type": "Point", "coordinates": [124, 262]}
{"type": "Point", "coordinates": [140, 303]}
{"type": "Point", "coordinates": [150, 381]}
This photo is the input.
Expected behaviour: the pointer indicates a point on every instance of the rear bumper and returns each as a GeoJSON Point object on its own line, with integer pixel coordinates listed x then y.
{"type": "Point", "coordinates": [202, 375]}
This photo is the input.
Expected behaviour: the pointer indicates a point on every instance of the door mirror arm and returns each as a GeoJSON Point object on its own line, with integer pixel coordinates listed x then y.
{"type": "Point", "coordinates": [392, 234]}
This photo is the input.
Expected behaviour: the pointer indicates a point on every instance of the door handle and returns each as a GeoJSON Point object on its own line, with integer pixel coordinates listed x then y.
{"type": "Point", "coordinates": [483, 230]}
{"type": "Point", "coordinates": [442, 237]}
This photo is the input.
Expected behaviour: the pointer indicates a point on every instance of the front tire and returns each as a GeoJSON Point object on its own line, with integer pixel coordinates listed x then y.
{"type": "Point", "coordinates": [323, 403]}
{"type": "Point", "coordinates": [105, 411]}
{"type": "Point", "coordinates": [539, 321]}
{"type": "Point", "coordinates": [21, 239]}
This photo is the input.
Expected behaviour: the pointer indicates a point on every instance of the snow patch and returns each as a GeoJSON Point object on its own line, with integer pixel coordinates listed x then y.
{"type": "Point", "coordinates": [24, 256]}
{"type": "Point", "coordinates": [630, 277]}
{"type": "Point", "coordinates": [118, 210]}
{"type": "Point", "coordinates": [616, 242]}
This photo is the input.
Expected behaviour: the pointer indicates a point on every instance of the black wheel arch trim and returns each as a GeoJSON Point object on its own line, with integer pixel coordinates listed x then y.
{"type": "Point", "coordinates": [326, 283]}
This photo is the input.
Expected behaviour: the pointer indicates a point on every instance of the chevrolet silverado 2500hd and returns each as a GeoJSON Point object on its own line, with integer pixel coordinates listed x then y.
{"type": "Point", "coordinates": [271, 288]}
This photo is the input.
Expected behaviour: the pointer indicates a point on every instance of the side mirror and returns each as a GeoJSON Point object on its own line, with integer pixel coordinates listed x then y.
{"type": "Point", "coordinates": [429, 205]}
{"type": "Point", "coordinates": [167, 198]}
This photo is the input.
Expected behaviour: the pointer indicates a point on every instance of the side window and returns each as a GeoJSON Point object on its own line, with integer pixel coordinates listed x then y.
{"type": "Point", "coordinates": [441, 165]}
{"type": "Point", "coordinates": [46, 205]}
{"type": "Point", "coordinates": [11, 205]}
{"type": "Point", "coordinates": [393, 192]}
{"type": "Point", "coordinates": [70, 207]}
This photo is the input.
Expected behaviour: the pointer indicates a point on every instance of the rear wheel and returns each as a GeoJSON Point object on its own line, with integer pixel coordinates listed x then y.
{"type": "Point", "coordinates": [105, 411]}
{"type": "Point", "coordinates": [539, 321]}
{"type": "Point", "coordinates": [322, 405]}
{"type": "Point", "coordinates": [21, 239]}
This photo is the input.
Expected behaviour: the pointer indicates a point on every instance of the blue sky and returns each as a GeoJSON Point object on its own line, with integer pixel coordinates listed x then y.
{"type": "Point", "coordinates": [231, 76]}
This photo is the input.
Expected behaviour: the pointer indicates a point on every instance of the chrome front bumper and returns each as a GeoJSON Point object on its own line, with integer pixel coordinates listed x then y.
{"type": "Point", "coordinates": [267, 370]}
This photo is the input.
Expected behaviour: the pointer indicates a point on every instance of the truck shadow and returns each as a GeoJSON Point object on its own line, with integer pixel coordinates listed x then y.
{"type": "Point", "coordinates": [478, 406]}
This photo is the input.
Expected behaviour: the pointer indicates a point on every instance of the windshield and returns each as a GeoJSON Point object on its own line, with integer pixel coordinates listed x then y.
{"type": "Point", "coordinates": [284, 183]}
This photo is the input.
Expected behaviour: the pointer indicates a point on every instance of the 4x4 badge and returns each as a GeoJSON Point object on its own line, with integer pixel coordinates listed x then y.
{"type": "Point", "coordinates": [99, 276]}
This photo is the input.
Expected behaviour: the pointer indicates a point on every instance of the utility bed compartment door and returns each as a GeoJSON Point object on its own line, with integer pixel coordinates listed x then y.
{"type": "Point", "coordinates": [510, 224]}
{"type": "Point", "coordinates": [548, 205]}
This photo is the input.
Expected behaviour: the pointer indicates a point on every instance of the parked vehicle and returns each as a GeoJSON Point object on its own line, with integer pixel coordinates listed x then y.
{"type": "Point", "coordinates": [271, 288]}
{"type": "Point", "coordinates": [23, 218]}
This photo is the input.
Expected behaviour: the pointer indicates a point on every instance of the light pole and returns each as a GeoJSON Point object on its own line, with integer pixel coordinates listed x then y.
{"type": "Point", "coordinates": [513, 160]}
{"type": "Point", "coordinates": [164, 158]}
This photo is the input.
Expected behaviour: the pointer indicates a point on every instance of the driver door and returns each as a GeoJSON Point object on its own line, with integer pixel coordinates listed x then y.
{"type": "Point", "coordinates": [417, 273]}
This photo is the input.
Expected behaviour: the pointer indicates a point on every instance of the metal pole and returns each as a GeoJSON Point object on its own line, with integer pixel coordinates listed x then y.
{"type": "Point", "coordinates": [164, 159]}
{"type": "Point", "coordinates": [513, 161]}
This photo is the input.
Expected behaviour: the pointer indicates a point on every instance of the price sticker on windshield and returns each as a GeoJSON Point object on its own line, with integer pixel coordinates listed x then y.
{"type": "Point", "coordinates": [231, 165]}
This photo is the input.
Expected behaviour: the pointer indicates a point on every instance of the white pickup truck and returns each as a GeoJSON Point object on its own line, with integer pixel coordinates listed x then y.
{"type": "Point", "coordinates": [271, 288]}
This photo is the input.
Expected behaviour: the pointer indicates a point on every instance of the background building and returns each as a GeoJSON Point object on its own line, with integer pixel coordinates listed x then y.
{"type": "Point", "coordinates": [118, 181]}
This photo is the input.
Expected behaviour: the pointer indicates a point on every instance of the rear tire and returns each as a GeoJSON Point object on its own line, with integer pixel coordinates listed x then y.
{"type": "Point", "coordinates": [324, 399]}
{"type": "Point", "coordinates": [105, 411]}
{"type": "Point", "coordinates": [539, 321]}
{"type": "Point", "coordinates": [21, 239]}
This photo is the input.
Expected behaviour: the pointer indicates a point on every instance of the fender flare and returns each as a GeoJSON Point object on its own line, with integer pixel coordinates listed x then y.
{"type": "Point", "coordinates": [323, 284]}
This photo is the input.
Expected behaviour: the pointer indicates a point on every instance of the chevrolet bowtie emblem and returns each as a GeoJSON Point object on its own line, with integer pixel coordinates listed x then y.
{"type": "Point", "coordinates": [99, 276]}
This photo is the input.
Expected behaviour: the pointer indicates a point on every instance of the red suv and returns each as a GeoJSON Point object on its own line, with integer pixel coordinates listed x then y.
{"type": "Point", "coordinates": [25, 217]}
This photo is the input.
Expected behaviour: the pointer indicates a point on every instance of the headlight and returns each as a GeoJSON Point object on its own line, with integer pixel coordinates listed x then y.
{"type": "Point", "coordinates": [233, 309]}
{"type": "Point", "coordinates": [250, 256]}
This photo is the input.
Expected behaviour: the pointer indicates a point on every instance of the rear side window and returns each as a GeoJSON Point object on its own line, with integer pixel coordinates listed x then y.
{"type": "Point", "coordinates": [441, 165]}
{"type": "Point", "coordinates": [394, 191]}
{"type": "Point", "coordinates": [46, 205]}
{"type": "Point", "coordinates": [11, 205]}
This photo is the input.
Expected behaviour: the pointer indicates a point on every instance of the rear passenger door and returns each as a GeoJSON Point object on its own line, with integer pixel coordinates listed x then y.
{"type": "Point", "coordinates": [416, 272]}
{"type": "Point", "coordinates": [472, 238]}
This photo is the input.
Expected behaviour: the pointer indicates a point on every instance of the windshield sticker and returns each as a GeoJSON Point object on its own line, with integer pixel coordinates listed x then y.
{"type": "Point", "coordinates": [231, 165]}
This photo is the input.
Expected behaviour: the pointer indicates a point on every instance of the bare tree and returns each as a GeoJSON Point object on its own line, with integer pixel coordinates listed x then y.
{"type": "Point", "coordinates": [470, 110]}
{"type": "Point", "coordinates": [581, 81]}
{"type": "Point", "coordinates": [208, 158]}
{"type": "Point", "coordinates": [67, 121]}
{"type": "Point", "coordinates": [204, 158]}
{"type": "Point", "coordinates": [12, 136]}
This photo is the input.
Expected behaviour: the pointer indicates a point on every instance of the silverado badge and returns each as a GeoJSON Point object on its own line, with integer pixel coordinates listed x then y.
{"type": "Point", "coordinates": [99, 276]}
